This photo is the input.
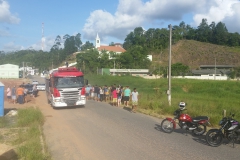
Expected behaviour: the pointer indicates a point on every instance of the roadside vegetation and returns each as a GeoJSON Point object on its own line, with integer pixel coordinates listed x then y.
{"type": "Point", "coordinates": [24, 133]}
{"type": "Point", "coordinates": [203, 97]}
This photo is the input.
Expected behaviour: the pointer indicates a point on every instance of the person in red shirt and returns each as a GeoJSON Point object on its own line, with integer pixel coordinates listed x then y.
{"type": "Point", "coordinates": [114, 97]}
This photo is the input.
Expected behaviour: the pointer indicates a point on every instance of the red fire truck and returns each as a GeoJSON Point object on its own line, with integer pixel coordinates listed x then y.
{"type": "Point", "coordinates": [65, 87]}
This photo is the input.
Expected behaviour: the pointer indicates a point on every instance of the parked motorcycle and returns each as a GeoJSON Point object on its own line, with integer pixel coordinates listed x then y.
{"type": "Point", "coordinates": [197, 124]}
{"type": "Point", "coordinates": [230, 129]}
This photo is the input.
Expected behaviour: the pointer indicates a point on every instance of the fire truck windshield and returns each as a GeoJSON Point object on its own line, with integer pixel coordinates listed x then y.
{"type": "Point", "coordinates": [68, 82]}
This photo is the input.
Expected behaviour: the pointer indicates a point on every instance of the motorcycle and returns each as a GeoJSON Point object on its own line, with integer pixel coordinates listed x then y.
{"type": "Point", "coordinates": [197, 124]}
{"type": "Point", "coordinates": [230, 129]}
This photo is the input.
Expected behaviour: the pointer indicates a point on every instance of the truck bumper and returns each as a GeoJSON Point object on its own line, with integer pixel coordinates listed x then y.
{"type": "Point", "coordinates": [63, 104]}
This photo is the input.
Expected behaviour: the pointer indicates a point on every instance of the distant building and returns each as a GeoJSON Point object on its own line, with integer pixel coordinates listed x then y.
{"type": "Point", "coordinates": [117, 48]}
{"type": "Point", "coordinates": [9, 71]}
{"type": "Point", "coordinates": [218, 70]}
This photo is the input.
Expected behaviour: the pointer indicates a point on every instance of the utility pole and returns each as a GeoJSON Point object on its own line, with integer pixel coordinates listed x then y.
{"type": "Point", "coordinates": [215, 70]}
{"type": "Point", "coordinates": [114, 68]}
{"type": "Point", "coordinates": [169, 65]}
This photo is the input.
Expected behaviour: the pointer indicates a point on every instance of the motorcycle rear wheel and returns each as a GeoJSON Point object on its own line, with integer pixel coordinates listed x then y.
{"type": "Point", "coordinates": [200, 130]}
{"type": "Point", "coordinates": [167, 126]}
{"type": "Point", "coordinates": [214, 137]}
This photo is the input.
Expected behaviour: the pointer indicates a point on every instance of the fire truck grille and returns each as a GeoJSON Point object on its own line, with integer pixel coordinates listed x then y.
{"type": "Point", "coordinates": [70, 95]}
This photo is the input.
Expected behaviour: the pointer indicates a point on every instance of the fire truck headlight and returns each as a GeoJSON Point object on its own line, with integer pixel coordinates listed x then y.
{"type": "Point", "coordinates": [57, 100]}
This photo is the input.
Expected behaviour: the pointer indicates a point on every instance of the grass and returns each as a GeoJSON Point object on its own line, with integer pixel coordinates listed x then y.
{"type": "Point", "coordinates": [203, 97]}
{"type": "Point", "coordinates": [27, 134]}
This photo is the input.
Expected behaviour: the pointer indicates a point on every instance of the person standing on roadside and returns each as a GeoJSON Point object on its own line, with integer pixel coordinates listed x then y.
{"type": "Point", "coordinates": [13, 95]}
{"type": "Point", "coordinates": [120, 90]}
{"type": "Point", "coordinates": [96, 92]}
{"type": "Point", "coordinates": [106, 93]}
{"type": "Point", "coordinates": [34, 91]}
{"type": "Point", "coordinates": [25, 90]}
{"type": "Point", "coordinates": [88, 88]}
{"type": "Point", "coordinates": [9, 94]}
{"type": "Point", "coordinates": [20, 93]}
{"type": "Point", "coordinates": [114, 97]}
{"type": "Point", "coordinates": [134, 100]}
{"type": "Point", "coordinates": [101, 92]}
{"type": "Point", "coordinates": [127, 93]}
{"type": "Point", "coordinates": [92, 92]}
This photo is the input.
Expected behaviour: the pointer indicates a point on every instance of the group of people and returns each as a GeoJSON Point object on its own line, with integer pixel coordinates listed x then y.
{"type": "Point", "coordinates": [117, 95]}
{"type": "Point", "coordinates": [19, 95]}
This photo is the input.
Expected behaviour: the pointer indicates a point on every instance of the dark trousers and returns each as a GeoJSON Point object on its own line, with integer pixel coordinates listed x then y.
{"type": "Point", "coordinates": [101, 97]}
{"type": "Point", "coordinates": [20, 99]}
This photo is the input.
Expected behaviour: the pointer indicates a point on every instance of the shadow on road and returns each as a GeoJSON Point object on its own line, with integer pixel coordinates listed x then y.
{"type": "Point", "coordinates": [127, 109]}
{"type": "Point", "coordinates": [68, 107]}
{"type": "Point", "coordinates": [200, 139]}
{"type": "Point", "coordinates": [178, 130]}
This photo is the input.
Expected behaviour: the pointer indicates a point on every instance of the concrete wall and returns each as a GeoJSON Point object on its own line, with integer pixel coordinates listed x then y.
{"type": "Point", "coordinates": [203, 77]}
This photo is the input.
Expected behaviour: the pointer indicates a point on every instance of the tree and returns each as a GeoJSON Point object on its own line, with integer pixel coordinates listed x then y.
{"type": "Point", "coordinates": [179, 69]}
{"type": "Point", "coordinates": [57, 44]}
{"type": "Point", "coordinates": [87, 46]}
{"type": "Point", "coordinates": [88, 61]}
{"type": "Point", "coordinates": [134, 38]}
{"type": "Point", "coordinates": [112, 44]}
{"type": "Point", "coordinates": [203, 31]}
{"type": "Point", "coordinates": [78, 41]}
{"type": "Point", "coordinates": [220, 34]}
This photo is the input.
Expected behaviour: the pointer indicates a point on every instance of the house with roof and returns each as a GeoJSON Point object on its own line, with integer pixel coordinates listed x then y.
{"type": "Point", "coordinates": [117, 48]}
{"type": "Point", "coordinates": [210, 70]}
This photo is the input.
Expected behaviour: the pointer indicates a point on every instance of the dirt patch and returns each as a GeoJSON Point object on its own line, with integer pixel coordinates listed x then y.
{"type": "Point", "coordinates": [16, 82]}
{"type": "Point", "coordinates": [8, 134]}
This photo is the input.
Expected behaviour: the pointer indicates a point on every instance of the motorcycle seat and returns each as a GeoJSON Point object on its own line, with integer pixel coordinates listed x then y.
{"type": "Point", "coordinates": [199, 118]}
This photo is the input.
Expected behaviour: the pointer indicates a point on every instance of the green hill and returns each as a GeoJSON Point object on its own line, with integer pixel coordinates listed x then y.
{"type": "Point", "coordinates": [195, 53]}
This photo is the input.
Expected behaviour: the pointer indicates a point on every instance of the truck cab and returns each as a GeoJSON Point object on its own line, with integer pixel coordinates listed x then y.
{"type": "Point", "coordinates": [65, 87]}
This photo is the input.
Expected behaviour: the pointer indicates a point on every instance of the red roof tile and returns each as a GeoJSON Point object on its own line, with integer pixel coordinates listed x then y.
{"type": "Point", "coordinates": [112, 48]}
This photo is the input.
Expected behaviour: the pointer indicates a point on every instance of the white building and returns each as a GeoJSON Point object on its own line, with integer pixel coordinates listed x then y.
{"type": "Point", "coordinates": [117, 48]}
{"type": "Point", "coordinates": [9, 71]}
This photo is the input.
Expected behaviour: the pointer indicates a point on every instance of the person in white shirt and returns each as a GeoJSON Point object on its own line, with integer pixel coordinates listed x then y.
{"type": "Point", "coordinates": [134, 95]}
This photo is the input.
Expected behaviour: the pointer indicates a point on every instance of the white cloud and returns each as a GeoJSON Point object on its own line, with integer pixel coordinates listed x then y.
{"type": "Point", "coordinates": [5, 14]}
{"type": "Point", "coordinates": [134, 13]}
{"type": "Point", "coordinates": [221, 10]}
{"type": "Point", "coordinates": [47, 45]}
{"type": "Point", "coordinates": [233, 21]}
{"type": "Point", "coordinates": [11, 46]}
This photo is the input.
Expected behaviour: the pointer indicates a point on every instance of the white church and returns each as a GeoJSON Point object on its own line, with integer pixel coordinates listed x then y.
{"type": "Point", "coordinates": [117, 48]}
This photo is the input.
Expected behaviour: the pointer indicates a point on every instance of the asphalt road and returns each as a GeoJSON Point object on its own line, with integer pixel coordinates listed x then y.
{"type": "Point", "coordinates": [101, 131]}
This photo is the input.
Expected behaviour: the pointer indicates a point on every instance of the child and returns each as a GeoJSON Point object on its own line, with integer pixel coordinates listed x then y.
{"type": "Point", "coordinates": [114, 97]}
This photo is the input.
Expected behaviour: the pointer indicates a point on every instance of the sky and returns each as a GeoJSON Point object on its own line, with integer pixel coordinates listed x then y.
{"type": "Point", "coordinates": [21, 22]}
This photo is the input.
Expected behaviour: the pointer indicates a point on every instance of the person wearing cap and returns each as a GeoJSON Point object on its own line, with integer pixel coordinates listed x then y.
{"type": "Point", "coordinates": [14, 95]}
